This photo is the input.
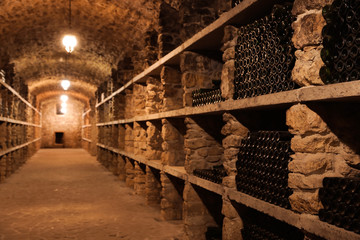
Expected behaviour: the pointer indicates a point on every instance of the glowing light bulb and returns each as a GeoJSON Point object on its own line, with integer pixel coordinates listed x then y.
{"type": "Point", "coordinates": [63, 105]}
{"type": "Point", "coordinates": [65, 84]}
{"type": "Point", "coordinates": [70, 42]}
{"type": "Point", "coordinates": [64, 98]}
{"type": "Point", "coordinates": [63, 110]}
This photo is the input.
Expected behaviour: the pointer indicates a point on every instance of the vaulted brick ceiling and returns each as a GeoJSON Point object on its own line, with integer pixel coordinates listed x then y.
{"type": "Point", "coordinates": [31, 32]}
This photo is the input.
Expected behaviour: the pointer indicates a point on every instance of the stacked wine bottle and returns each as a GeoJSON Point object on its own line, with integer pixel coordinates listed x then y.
{"type": "Point", "coordinates": [341, 42]}
{"type": "Point", "coordinates": [262, 166]}
{"type": "Point", "coordinates": [264, 55]}
{"type": "Point", "coordinates": [341, 200]}
{"type": "Point", "coordinates": [236, 2]}
{"type": "Point", "coordinates": [204, 96]}
{"type": "Point", "coordinates": [216, 174]}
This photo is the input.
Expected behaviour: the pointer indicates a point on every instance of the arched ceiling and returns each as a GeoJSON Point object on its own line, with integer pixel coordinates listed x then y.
{"type": "Point", "coordinates": [31, 32]}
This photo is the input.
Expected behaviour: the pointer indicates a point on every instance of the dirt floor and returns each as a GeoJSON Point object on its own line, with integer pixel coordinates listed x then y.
{"type": "Point", "coordinates": [67, 194]}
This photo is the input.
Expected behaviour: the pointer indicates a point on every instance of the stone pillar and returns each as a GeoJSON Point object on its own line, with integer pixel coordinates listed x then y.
{"type": "Point", "coordinates": [198, 71]}
{"type": "Point", "coordinates": [172, 90]}
{"type": "Point", "coordinates": [307, 40]}
{"type": "Point", "coordinates": [121, 167]}
{"type": "Point", "coordinates": [121, 138]}
{"type": "Point", "coordinates": [196, 15]}
{"type": "Point", "coordinates": [319, 153]}
{"type": "Point", "coordinates": [196, 216]}
{"type": "Point", "coordinates": [139, 133]}
{"type": "Point", "coordinates": [153, 140]}
{"type": "Point", "coordinates": [153, 186]}
{"type": "Point", "coordinates": [129, 104]}
{"type": "Point", "coordinates": [234, 132]}
{"type": "Point", "coordinates": [140, 179]}
{"type": "Point", "coordinates": [130, 172]}
{"type": "Point", "coordinates": [202, 144]}
{"type": "Point", "coordinates": [173, 131]}
{"type": "Point", "coordinates": [129, 139]}
{"type": "Point", "coordinates": [228, 70]}
{"type": "Point", "coordinates": [169, 29]}
{"type": "Point", "coordinates": [171, 197]}
{"type": "Point", "coordinates": [153, 96]}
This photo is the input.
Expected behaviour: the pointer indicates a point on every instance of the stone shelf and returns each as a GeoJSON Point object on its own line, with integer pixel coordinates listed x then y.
{"type": "Point", "coordinates": [10, 120]}
{"type": "Point", "coordinates": [334, 92]}
{"type": "Point", "coordinates": [86, 112]}
{"type": "Point", "coordinates": [208, 38]}
{"type": "Point", "coordinates": [2, 153]}
{"type": "Point", "coordinates": [208, 185]}
{"type": "Point", "coordinates": [86, 126]}
{"type": "Point", "coordinates": [20, 97]}
{"type": "Point", "coordinates": [307, 222]}
{"type": "Point", "coordinates": [87, 140]}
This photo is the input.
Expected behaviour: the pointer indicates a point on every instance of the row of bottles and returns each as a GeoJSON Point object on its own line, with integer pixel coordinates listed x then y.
{"type": "Point", "coordinates": [341, 200]}
{"type": "Point", "coordinates": [236, 2]}
{"type": "Point", "coordinates": [264, 55]}
{"type": "Point", "coordinates": [10, 162]}
{"type": "Point", "coordinates": [341, 42]}
{"type": "Point", "coordinates": [257, 232]}
{"type": "Point", "coordinates": [262, 166]}
{"type": "Point", "coordinates": [12, 135]}
{"type": "Point", "coordinates": [204, 96]}
{"type": "Point", "coordinates": [216, 174]}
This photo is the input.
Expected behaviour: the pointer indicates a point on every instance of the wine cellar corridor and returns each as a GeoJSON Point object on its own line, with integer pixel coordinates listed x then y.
{"type": "Point", "coordinates": [180, 119]}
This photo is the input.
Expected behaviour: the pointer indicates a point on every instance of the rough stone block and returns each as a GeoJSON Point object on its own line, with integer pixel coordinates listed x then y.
{"type": "Point", "coordinates": [229, 54]}
{"type": "Point", "coordinates": [232, 141]}
{"type": "Point", "coordinates": [302, 120]}
{"type": "Point", "coordinates": [233, 126]}
{"type": "Point", "coordinates": [302, 6]}
{"type": "Point", "coordinates": [316, 144]}
{"type": "Point", "coordinates": [311, 163]}
{"type": "Point", "coordinates": [300, 181]}
{"type": "Point", "coordinates": [232, 229]}
{"type": "Point", "coordinates": [307, 67]}
{"type": "Point", "coordinates": [227, 80]}
{"type": "Point", "coordinates": [307, 29]}
{"type": "Point", "coordinates": [305, 202]}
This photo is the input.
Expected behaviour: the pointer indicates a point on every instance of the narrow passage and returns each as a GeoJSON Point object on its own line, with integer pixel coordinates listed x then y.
{"type": "Point", "coordinates": [67, 194]}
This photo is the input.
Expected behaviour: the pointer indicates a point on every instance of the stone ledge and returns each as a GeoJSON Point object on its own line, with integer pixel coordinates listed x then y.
{"type": "Point", "coordinates": [10, 120]}
{"type": "Point", "coordinates": [176, 171]}
{"type": "Point", "coordinates": [208, 185]}
{"type": "Point", "coordinates": [86, 126]}
{"type": "Point", "coordinates": [2, 153]}
{"type": "Point", "coordinates": [87, 140]}
{"type": "Point", "coordinates": [338, 91]}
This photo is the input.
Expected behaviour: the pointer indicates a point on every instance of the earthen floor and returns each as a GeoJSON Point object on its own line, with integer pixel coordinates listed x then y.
{"type": "Point", "coordinates": [67, 194]}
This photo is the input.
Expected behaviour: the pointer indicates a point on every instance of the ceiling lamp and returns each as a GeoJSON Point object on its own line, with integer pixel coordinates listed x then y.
{"type": "Point", "coordinates": [65, 84]}
{"type": "Point", "coordinates": [63, 110]}
{"type": "Point", "coordinates": [70, 42]}
{"type": "Point", "coordinates": [64, 98]}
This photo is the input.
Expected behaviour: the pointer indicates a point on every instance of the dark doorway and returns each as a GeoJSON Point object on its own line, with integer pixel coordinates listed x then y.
{"type": "Point", "coordinates": [59, 138]}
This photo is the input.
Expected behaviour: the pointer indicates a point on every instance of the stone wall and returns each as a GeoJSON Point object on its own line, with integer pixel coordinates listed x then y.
{"type": "Point", "coordinates": [198, 71]}
{"type": "Point", "coordinates": [324, 147]}
{"type": "Point", "coordinates": [234, 132]}
{"type": "Point", "coordinates": [69, 123]}
{"type": "Point", "coordinates": [307, 40]}
{"type": "Point", "coordinates": [153, 140]}
{"type": "Point", "coordinates": [153, 186]}
{"type": "Point", "coordinates": [202, 144]}
{"type": "Point", "coordinates": [171, 197]}
{"type": "Point", "coordinates": [172, 90]}
{"type": "Point", "coordinates": [173, 142]}
{"type": "Point", "coordinates": [228, 69]}
{"type": "Point", "coordinates": [153, 97]}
